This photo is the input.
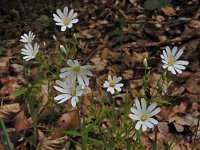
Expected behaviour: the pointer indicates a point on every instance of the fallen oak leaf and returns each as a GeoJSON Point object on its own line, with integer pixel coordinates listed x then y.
{"type": "Point", "coordinates": [67, 121]}
{"type": "Point", "coordinates": [180, 120]}
{"type": "Point", "coordinates": [178, 109]}
{"type": "Point", "coordinates": [7, 112]}
{"type": "Point", "coordinates": [163, 127]}
{"type": "Point", "coordinates": [168, 11]}
{"type": "Point", "coordinates": [179, 128]}
{"type": "Point", "coordinates": [21, 122]}
{"type": "Point", "coordinates": [54, 144]}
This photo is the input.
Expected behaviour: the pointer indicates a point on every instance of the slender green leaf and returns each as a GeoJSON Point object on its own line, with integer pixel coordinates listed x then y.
{"type": "Point", "coordinates": [20, 91]}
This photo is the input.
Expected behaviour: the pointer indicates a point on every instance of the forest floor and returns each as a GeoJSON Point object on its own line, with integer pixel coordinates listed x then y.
{"type": "Point", "coordinates": [114, 36]}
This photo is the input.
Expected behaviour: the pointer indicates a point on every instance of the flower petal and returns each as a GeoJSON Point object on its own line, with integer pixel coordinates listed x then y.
{"type": "Point", "coordinates": [154, 112]}
{"type": "Point", "coordinates": [168, 51]}
{"type": "Point", "coordinates": [60, 14]}
{"type": "Point", "coordinates": [135, 111]}
{"type": "Point", "coordinates": [180, 52]}
{"type": "Point", "coordinates": [174, 51]}
{"type": "Point", "coordinates": [149, 124]}
{"type": "Point", "coordinates": [152, 120]}
{"type": "Point", "coordinates": [137, 103]}
{"type": "Point", "coordinates": [134, 117]}
{"type": "Point", "coordinates": [106, 84]}
{"type": "Point", "coordinates": [182, 62]}
{"type": "Point", "coordinates": [144, 127]}
{"type": "Point", "coordinates": [111, 90]}
{"type": "Point", "coordinates": [138, 125]}
{"type": "Point", "coordinates": [144, 104]}
{"type": "Point", "coordinates": [151, 107]}
{"type": "Point", "coordinates": [74, 21]}
{"type": "Point", "coordinates": [63, 28]}
{"type": "Point", "coordinates": [65, 11]}
{"type": "Point", "coordinates": [170, 68]}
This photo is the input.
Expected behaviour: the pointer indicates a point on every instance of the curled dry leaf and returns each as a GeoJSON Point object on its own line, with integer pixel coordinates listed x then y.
{"type": "Point", "coordinates": [54, 144]}
{"type": "Point", "coordinates": [7, 112]}
{"type": "Point", "coordinates": [194, 24]}
{"type": "Point", "coordinates": [88, 34]}
{"type": "Point", "coordinates": [163, 127]}
{"type": "Point", "coordinates": [67, 121]}
{"type": "Point", "coordinates": [3, 67]}
{"type": "Point", "coordinates": [10, 84]}
{"type": "Point", "coordinates": [179, 128]}
{"type": "Point", "coordinates": [128, 74]}
{"type": "Point", "coordinates": [21, 122]}
{"type": "Point", "coordinates": [178, 109]}
{"type": "Point", "coordinates": [139, 57]}
{"type": "Point", "coordinates": [99, 63]}
{"type": "Point", "coordinates": [168, 11]}
{"type": "Point", "coordinates": [162, 138]}
{"type": "Point", "coordinates": [17, 68]}
{"type": "Point", "coordinates": [180, 120]}
{"type": "Point", "coordinates": [177, 90]}
{"type": "Point", "coordinates": [192, 84]}
{"type": "Point", "coordinates": [106, 53]}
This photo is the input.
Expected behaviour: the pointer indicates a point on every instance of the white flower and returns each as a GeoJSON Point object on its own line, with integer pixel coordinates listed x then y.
{"type": "Point", "coordinates": [27, 38]}
{"type": "Point", "coordinates": [75, 71]}
{"type": "Point", "coordinates": [29, 51]}
{"type": "Point", "coordinates": [69, 91]}
{"type": "Point", "coordinates": [113, 84]}
{"type": "Point", "coordinates": [65, 19]}
{"type": "Point", "coordinates": [171, 62]}
{"type": "Point", "coordinates": [144, 114]}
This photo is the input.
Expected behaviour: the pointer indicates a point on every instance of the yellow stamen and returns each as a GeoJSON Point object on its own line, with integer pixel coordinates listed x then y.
{"type": "Point", "coordinates": [171, 61]}
{"type": "Point", "coordinates": [66, 21]}
{"type": "Point", "coordinates": [143, 118]}
{"type": "Point", "coordinates": [73, 92]}
{"type": "Point", "coordinates": [112, 84]}
{"type": "Point", "coordinates": [76, 68]}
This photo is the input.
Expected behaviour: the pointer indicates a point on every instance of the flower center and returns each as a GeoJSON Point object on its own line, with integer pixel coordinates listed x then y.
{"type": "Point", "coordinates": [66, 21]}
{"type": "Point", "coordinates": [112, 84]}
{"type": "Point", "coordinates": [171, 61]}
{"type": "Point", "coordinates": [73, 92]}
{"type": "Point", "coordinates": [143, 118]}
{"type": "Point", "coordinates": [76, 68]}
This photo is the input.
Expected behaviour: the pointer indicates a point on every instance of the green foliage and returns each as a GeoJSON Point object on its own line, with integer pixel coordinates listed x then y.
{"type": "Point", "coordinates": [20, 91]}
{"type": "Point", "coordinates": [4, 136]}
{"type": "Point", "coordinates": [160, 101]}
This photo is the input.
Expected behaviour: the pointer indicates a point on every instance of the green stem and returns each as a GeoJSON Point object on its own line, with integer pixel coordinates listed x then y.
{"type": "Point", "coordinates": [158, 82]}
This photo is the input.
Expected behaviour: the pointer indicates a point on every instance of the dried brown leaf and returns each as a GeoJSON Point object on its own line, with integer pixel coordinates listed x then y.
{"type": "Point", "coordinates": [139, 57]}
{"type": "Point", "coordinates": [179, 128]}
{"type": "Point", "coordinates": [178, 109]}
{"type": "Point", "coordinates": [7, 112]}
{"type": "Point", "coordinates": [89, 34]}
{"type": "Point", "coordinates": [99, 63]}
{"type": "Point", "coordinates": [54, 144]}
{"type": "Point", "coordinates": [10, 84]}
{"type": "Point", "coordinates": [194, 24]}
{"type": "Point", "coordinates": [128, 74]}
{"type": "Point", "coordinates": [180, 120]}
{"type": "Point", "coordinates": [67, 121]}
{"type": "Point", "coordinates": [168, 11]}
{"type": "Point", "coordinates": [163, 127]}
{"type": "Point", "coordinates": [21, 122]}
